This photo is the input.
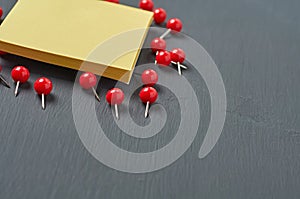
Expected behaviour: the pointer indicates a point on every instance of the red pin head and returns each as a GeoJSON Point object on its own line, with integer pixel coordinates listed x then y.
{"type": "Point", "coordinates": [174, 25]}
{"type": "Point", "coordinates": [115, 97]}
{"type": "Point", "coordinates": [146, 5]}
{"type": "Point", "coordinates": [43, 86]}
{"type": "Point", "coordinates": [1, 12]}
{"type": "Point", "coordinates": [148, 95]}
{"type": "Point", "coordinates": [113, 1]}
{"type": "Point", "coordinates": [88, 81]}
{"type": "Point", "coordinates": [19, 74]}
{"type": "Point", "coordinates": [158, 44]}
{"type": "Point", "coordinates": [163, 58]}
{"type": "Point", "coordinates": [2, 53]}
{"type": "Point", "coordinates": [149, 77]}
{"type": "Point", "coordinates": [160, 15]}
{"type": "Point", "coordinates": [178, 57]}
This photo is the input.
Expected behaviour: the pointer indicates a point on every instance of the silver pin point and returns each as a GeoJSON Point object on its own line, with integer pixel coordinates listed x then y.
{"type": "Point", "coordinates": [147, 109]}
{"type": "Point", "coordinates": [182, 66]}
{"type": "Point", "coordinates": [43, 102]}
{"type": "Point", "coordinates": [96, 94]}
{"type": "Point", "coordinates": [165, 34]}
{"type": "Point", "coordinates": [179, 68]}
{"type": "Point", "coordinates": [3, 80]}
{"type": "Point", "coordinates": [17, 88]}
{"type": "Point", "coordinates": [116, 111]}
{"type": "Point", "coordinates": [155, 57]}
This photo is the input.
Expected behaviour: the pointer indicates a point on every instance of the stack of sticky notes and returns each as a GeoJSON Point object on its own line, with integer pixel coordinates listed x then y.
{"type": "Point", "coordinates": [89, 35]}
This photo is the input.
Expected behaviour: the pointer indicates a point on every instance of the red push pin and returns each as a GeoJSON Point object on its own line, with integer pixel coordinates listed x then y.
{"type": "Point", "coordinates": [158, 44]}
{"type": "Point", "coordinates": [178, 57]}
{"type": "Point", "coordinates": [20, 74]}
{"type": "Point", "coordinates": [149, 77]}
{"type": "Point", "coordinates": [174, 25]}
{"type": "Point", "coordinates": [3, 80]}
{"type": "Point", "coordinates": [113, 1]}
{"type": "Point", "coordinates": [160, 15]}
{"type": "Point", "coordinates": [163, 58]}
{"type": "Point", "coordinates": [1, 12]}
{"type": "Point", "coordinates": [2, 53]}
{"type": "Point", "coordinates": [115, 97]}
{"type": "Point", "coordinates": [43, 86]}
{"type": "Point", "coordinates": [88, 81]}
{"type": "Point", "coordinates": [146, 5]}
{"type": "Point", "coordinates": [148, 95]}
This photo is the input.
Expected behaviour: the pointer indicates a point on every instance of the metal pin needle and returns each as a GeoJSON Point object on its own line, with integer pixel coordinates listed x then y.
{"type": "Point", "coordinates": [96, 94]}
{"type": "Point", "coordinates": [182, 66]}
{"type": "Point", "coordinates": [4, 81]}
{"type": "Point", "coordinates": [179, 68]}
{"type": "Point", "coordinates": [165, 34]}
{"type": "Point", "coordinates": [147, 109]}
{"type": "Point", "coordinates": [117, 112]}
{"type": "Point", "coordinates": [17, 88]}
{"type": "Point", "coordinates": [43, 102]}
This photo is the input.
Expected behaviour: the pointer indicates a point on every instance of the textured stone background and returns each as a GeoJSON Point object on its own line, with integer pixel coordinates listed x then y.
{"type": "Point", "coordinates": [256, 46]}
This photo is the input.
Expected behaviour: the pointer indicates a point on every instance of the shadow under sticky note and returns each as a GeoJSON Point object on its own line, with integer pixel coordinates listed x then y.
{"type": "Point", "coordinates": [88, 35]}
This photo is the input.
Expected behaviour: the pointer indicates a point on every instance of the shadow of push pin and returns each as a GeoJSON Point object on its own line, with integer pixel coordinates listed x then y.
{"type": "Point", "coordinates": [43, 87]}
{"type": "Point", "coordinates": [3, 80]}
{"type": "Point", "coordinates": [115, 97]}
{"type": "Point", "coordinates": [148, 95]}
{"type": "Point", "coordinates": [178, 57]}
{"type": "Point", "coordinates": [19, 74]}
{"type": "Point", "coordinates": [174, 25]}
{"type": "Point", "coordinates": [88, 81]}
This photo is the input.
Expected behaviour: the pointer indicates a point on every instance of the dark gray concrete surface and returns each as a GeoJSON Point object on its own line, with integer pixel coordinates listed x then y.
{"type": "Point", "coordinates": [255, 44]}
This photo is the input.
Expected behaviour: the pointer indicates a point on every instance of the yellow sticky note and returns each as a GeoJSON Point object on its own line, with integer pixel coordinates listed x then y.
{"type": "Point", "coordinates": [78, 34]}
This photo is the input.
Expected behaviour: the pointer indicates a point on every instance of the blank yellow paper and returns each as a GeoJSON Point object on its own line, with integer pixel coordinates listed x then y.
{"type": "Point", "coordinates": [78, 34]}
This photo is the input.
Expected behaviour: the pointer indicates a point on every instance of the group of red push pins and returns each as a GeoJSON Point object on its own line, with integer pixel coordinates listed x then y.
{"type": "Point", "coordinates": [159, 45]}
{"type": "Point", "coordinates": [20, 74]}
{"type": "Point", "coordinates": [148, 94]}
{"type": "Point", "coordinates": [115, 96]}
